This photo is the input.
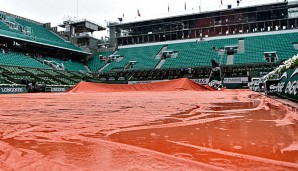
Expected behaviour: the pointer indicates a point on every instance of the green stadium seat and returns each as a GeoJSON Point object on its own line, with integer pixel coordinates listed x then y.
{"type": "Point", "coordinates": [193, 54]}
{"type": "Point", "coordinates": [95, 64]}
{"type": "Point", "coordinates": [70, 65]}
{"type": "Point", "coordinates": [19, 59]}
{"type": "Point", "coordinates": [39, 34]}
{"type": "Point", "coordinates": [145, 57]}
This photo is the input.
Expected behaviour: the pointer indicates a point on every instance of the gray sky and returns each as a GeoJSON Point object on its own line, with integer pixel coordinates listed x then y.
{"type": "Point", "coordinates": [100, 11]}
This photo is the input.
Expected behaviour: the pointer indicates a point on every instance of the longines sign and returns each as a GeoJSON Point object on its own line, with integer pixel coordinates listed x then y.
{"type": "Point", "coordinates": [58, 89]}
{"type": "Point", "coordinates": [12, 90]}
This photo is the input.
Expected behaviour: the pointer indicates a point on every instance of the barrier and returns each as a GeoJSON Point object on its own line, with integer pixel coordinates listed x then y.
{"type": "Point", "coordinates": [286, 86]}
{"type": "Point", "coordinates": [289, 84]}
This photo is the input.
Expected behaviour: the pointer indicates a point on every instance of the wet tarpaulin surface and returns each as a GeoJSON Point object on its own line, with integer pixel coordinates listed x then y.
{"type": "Point", "coordinates": [181, 130]}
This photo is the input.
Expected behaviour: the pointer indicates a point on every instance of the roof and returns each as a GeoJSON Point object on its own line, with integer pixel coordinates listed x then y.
{"type": "Point", "coordinates": [189, 14]}
{"type": "Point", "coordinates": [44, 44]}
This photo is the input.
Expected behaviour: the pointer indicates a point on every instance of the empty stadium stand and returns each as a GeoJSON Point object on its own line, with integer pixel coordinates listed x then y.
{"type": "Point", "coordinates": [20, 59]}
{"type": "Point", "coordinates": [26, 30]}
{"type": "Point", "coordinates": [15, 74]}
{"type": "Point", "coordinates": [196, 53]}
{"type": "Point", "coordinates": [26, 45]}
{"type": "Point", "coordinates": [95, 63]}
{"type": "Point", "coordinates": [169, 59]}
{"type": "Point", "coordinates": [70, 65]}
{"type": "Point", "coordinates": [145, 57]}
{"type": "Point", "coordinates": [16, 66]}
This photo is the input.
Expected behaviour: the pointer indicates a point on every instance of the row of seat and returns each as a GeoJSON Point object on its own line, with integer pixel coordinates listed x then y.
{"type": "Point", "coordinates": [19, 59]}
{"type": "Point", "coordinates": [95, 63]}
{"type": "Point", "coordinates": [40, 34]}
{"type": "Point", "coordinates": [200, 53]}
{"type": "Point", "coordinates": [70, 65]}
{"type": "Point", "coordinates": [190, 54]}
{"type": "Point", "coordinates": [45, 76]}
{"type": "Point", "coordinates": [145, 57]}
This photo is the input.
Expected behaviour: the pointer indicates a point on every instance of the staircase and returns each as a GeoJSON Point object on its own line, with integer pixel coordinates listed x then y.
{"type": "Point", "coordinates": [115, 52]}
{"type": "Point", "coordinates": [107, 64]}
{"type": "Point", "coordinates": [175, 55]}
{"type": "Point", "coordinates": [230, 60]}
{"type": "Point", "coordinates": [241, 46]}
{"type": "Point", "coordinates": [159, 65]}
{"type": "Point", "coordinates": [158, 56]}
{"type": "Point", "coordinates": [87, 68]}
{"type": "Point", "coordinates": [102, 68]}
{"type": "Point", "coordinates": [119, 59]}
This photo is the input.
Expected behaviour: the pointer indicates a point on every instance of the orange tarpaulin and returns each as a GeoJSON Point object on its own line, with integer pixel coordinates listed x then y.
{"type": "Point", "coordinates": [183, 84]}
{"type": "Point", "coordinates": [147, 131]}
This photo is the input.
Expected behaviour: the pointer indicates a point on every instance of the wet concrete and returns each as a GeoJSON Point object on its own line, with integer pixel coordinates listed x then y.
{"type": "Point", "coordinates": [229, 130]}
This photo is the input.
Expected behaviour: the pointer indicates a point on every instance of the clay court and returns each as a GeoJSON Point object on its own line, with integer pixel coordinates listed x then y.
{"type": "Point", "coordinates": [147, 130]}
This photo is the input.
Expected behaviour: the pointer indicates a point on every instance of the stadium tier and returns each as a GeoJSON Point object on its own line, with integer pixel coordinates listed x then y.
{"type": "Point", "coordinates": [15, 74]}
{"type": "Point", "coordinates": [95, 63]}
{"type": "Point", "coordinates": [70, 65]}
{"type": "Point", "coordinates": [16, 66]}
{"type": "Point", "coordinates": [256, 46]}
{"type": "Point", "coordinates": [196, 53]}
{"type": "Point", "coordinates": [25, 30]}
{"type": "Point", "coordinates": [144, 56]}
{"type": "Point", "coordinates": [19, 59]}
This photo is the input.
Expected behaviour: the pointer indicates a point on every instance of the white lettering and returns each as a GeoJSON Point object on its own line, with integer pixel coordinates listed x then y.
{"type": "Point", "coordinates": [201, 81]}
{"type": "Point", "coordinates": [58, 89]}
{"type": "Point", "coordinates": [236, 80]}
{"type": "Point", "coordinates": [291, 88]}
{"type": "Point", "coordinates": [12, 90]}
{"type": "Point", "coordinates": [277, 88]}
{"type": "Point", "coordinates": [145, 82]}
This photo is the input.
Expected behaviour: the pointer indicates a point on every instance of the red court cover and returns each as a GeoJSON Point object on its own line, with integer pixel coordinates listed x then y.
{"type": "Point", "coordinates": [183, 84]}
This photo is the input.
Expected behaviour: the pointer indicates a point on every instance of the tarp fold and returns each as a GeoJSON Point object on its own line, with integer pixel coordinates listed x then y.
{"type": "Point", "coordinates": [183, 84]}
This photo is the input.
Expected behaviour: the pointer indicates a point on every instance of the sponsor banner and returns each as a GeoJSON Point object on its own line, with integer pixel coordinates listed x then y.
{"type": "Point", "coordinates": [112, 79]}
{"type": "Point", "coordinates": [289, 84]}
{"type": "Point", "coordinates": [273, 86]}
{"type": "Point", "coordinates": [13, 90]}
{"type": "Point", "coordinates": [204, 81]}
{"type": "Point", "coordinates": [104, 79]}
{"type": "Point", "coordinates": [58, 89]}
{"type": "Point", "coordinates": [201, 80]}
{"type": "Point", "coordinates": [145, 82]}
{"type": "Point", "coordinates": [121, 78]}
{"type": "Point", "coordinates": [235, 80]}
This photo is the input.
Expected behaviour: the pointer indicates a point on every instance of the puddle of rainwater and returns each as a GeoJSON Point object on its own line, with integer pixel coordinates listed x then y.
{"type": "Point", "coordinates": [258, 141]}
